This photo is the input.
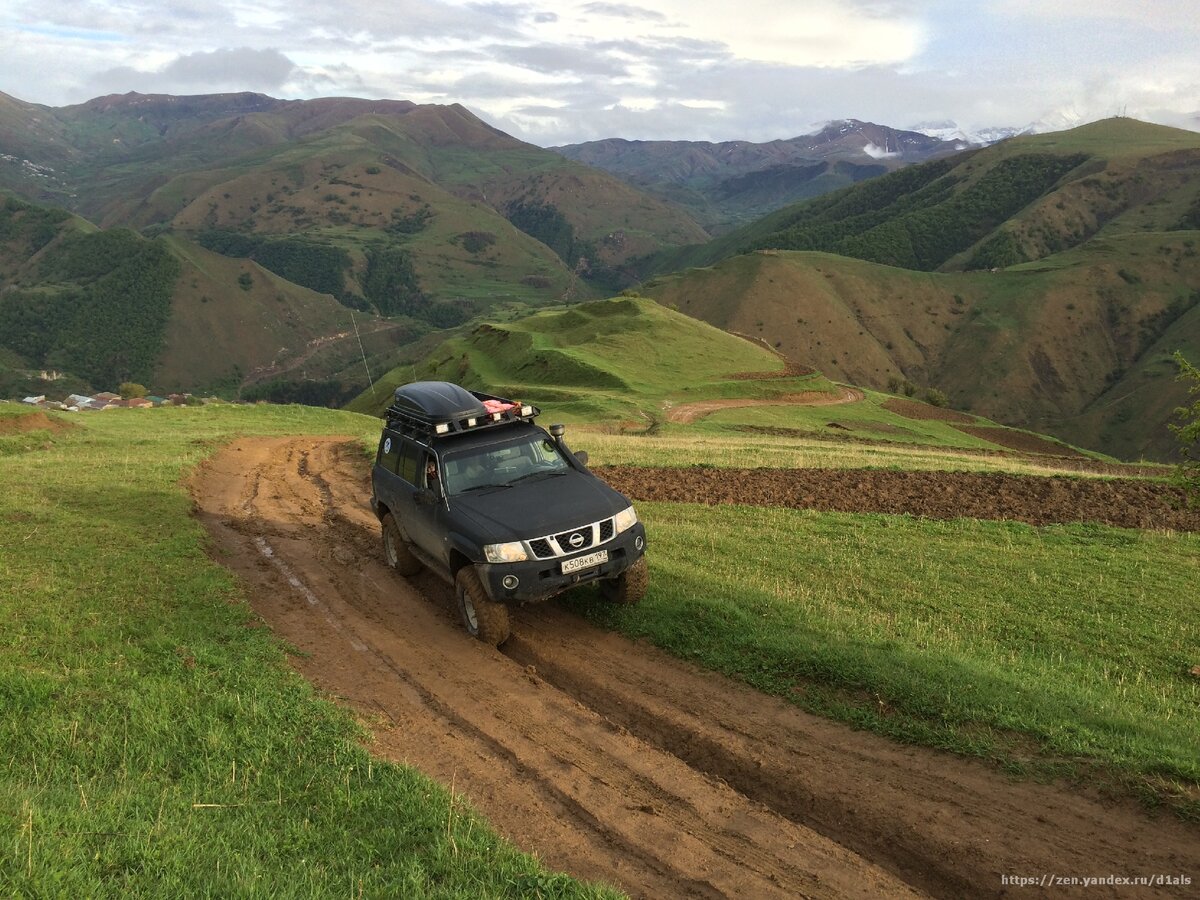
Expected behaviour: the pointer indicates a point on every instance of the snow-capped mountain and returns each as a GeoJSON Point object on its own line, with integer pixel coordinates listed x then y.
{"type": "Point", "coordinates": [948, 130]}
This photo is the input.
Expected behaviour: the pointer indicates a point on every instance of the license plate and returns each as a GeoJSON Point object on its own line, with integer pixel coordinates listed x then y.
{"type": "Point", "coordinates": [585, 562]}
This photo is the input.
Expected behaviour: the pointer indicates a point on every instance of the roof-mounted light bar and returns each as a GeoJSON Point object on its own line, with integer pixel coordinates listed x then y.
{"type": "Point", "coordinates": [406, 413]}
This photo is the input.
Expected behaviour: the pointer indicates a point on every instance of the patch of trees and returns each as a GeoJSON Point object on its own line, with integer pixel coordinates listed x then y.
{"type": "Point", "coordinates": [1191, 218]}
{"type": "Point", "coordinates": [919, 217]}
{"type": "Point", "coordinates": [35, 225]}
{"type": "Point", "coordinates": [103, 311]}
{"type": "Point", "coordinates": [391, 282]}
{"type": "Point", "coordinates": [410, 223]}
{"type": "Point", "coordinates": [392, 287]}
{"type": "Point", "coordinates": [997, 252]}
{"type": "Point", "coordinates": [546, 223]}
{"type": "Point", "coordinates": [476, 241]}
{"type": "Point", "coordinates": [318, 392]}
{"type": "Point", "coordinates": [319, 267]}
{"type": "Point", "coordinates": [931, 395]}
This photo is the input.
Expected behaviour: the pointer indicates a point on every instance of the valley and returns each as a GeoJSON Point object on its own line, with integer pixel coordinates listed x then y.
{"type": "Point", "coordinates": [1044, 282]}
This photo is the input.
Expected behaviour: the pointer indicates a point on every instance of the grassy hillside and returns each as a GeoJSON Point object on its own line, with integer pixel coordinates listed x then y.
{"type": "Point", "coordinates": [624, 359]}
{"type": "Point", "coordinates": [159, 744]}
{"type": "Point", "coordinates": [94, 304]}
{"type": "Point", "coordinates": [1066, 275]}
{"type": "Point", "coordinates": [1017, 201]}
{"type": "Point", "coordinates": [631, 366]}
{"type": "Point", "coordinates": [252, 164]}
{"type": "Point", "coordinates": [1049, 346]}
{"type": "Point", "coordinates": [99, 307]}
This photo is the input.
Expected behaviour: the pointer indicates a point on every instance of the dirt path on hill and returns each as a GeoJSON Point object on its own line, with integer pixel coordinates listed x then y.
{"type": "Point", "coordinates": [614, 761]}
{"type": "Point", "coordinates": [685, 413]}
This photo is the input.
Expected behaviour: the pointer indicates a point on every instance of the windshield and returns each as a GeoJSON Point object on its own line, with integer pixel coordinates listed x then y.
{"type": "Point", "coordinates": [500, 465]}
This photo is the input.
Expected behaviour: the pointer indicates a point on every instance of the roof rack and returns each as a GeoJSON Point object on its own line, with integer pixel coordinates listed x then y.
{"type": "Point", "coordinates": [438, 409]}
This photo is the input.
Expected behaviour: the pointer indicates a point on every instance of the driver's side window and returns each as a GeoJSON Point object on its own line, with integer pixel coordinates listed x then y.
{"type": "Point", "coordinates": [429, 474]}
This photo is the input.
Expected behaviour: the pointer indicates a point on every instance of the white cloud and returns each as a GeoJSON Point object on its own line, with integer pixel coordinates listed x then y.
{"type": "Point", "coordinates": [582, 69]}
{"type": "Point", "coordinates": [876, 152]}
{"type": "Point", "coordinates": [813, 33]}
{"type": "Point", "coordinates": [227, 69]}
{"type": "Point", "coordinates": [1175, 15]}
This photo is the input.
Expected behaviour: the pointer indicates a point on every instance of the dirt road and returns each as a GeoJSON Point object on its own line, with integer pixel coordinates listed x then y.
{"type": "Point", "coordinates": [613, 761]}
{"type": "Point", "coordinates": [690, 412]}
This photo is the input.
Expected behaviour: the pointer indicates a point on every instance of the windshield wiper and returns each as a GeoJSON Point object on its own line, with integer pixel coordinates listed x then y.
{"type": "Point", "coordinates": [480, 487]}
{"type": "Point", "coordinates": [536, 474]}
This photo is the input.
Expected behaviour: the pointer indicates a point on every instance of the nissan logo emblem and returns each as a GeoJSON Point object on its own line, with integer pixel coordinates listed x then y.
{"type": "Point", "coordinates": [576, 540]}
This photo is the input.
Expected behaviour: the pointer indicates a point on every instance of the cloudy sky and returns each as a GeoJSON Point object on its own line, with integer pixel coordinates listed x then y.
{"type": "Point", "coordinates": [578, 70]}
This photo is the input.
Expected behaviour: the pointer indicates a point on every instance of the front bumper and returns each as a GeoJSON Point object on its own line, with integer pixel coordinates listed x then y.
{"type": "Point", "coordinates": [541, 579]}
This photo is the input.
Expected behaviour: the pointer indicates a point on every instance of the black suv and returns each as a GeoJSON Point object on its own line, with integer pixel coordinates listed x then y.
{"type": "Point", "coordinates": [466, 484]}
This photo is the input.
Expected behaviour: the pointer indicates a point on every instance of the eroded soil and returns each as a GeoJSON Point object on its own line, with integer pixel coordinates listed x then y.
{"type": "Point", "coordinates": [1122, 502]}
{"type": "Point", "coordinates": [613, 761]}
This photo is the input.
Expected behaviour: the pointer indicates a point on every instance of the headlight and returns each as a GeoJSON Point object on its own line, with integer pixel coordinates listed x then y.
{"type": "Point", "coordinates": [625, 519]}
{"type": "Point", "coordinates": [513, 551]}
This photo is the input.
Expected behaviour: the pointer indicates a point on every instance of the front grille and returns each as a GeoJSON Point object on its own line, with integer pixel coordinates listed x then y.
{"type": "Point", "coordinates": [556, 545]}
{"type": "Point", "coordinates": [570, 541]}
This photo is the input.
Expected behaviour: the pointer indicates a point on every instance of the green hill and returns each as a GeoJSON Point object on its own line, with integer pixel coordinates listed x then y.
{"type": "Point", "coordinates": [631, 365]}
{"type": "Point", "coordinates": [478, 211]}
{"type": "Point", "coordinates": [1043, 282]}
{"type": "Point", "coordinates": [1077, 345]}
{"type": "Point", "coordinates": [624, 359]}
{"type": "Point", "coordinates": [1017, 201]}
{"type": "Point", "coordinates": [83, 308]}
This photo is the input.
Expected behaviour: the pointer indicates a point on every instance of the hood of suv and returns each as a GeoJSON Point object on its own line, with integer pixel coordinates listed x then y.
{"type": "Point", "coordinates": [536, 508]}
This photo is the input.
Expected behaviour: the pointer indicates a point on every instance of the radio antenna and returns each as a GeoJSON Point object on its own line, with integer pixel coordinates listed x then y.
{"type": "Point", "coordinates": [370, 380]}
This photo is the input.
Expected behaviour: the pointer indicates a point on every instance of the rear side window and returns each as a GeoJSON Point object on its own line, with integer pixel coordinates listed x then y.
{"type": "Point", "coordinates": [389, 450]}
{"type": "Point", "coordinates": [409, 463]}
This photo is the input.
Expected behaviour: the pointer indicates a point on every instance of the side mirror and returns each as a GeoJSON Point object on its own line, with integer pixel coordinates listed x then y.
{"type": "Point", "coordinates": [582, 456]}
{"type": "Point", "coordinates": [426, 497]}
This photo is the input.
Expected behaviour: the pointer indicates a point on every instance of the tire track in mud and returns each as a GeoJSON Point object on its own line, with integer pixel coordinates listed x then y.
{"type": "Point", "coordinates": [552, 774]}
{"type": "Point", "coordinates": [611, 760]}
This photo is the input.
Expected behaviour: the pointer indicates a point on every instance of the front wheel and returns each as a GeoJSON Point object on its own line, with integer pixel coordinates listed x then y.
{"type": "Point", "coordinates": [628, 587]}
{"type": "Point", "coordinates": [396, 551]}
{"type": "Point", "coordinates": [484, 618]}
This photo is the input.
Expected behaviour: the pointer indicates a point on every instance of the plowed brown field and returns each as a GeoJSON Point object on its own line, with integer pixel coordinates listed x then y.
{"type": "Point", "coordinates": [613, 761]}
{"type": "Point", "coordinates": [1123, 502]}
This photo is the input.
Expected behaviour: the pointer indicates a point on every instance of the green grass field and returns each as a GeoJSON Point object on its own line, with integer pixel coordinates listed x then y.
{"type": "Point", "coordinates": [155, 741]}
{"type": "Point", "coordinates": [1058, 651]}
{"type": "Point", "coordinates": [158, 743]}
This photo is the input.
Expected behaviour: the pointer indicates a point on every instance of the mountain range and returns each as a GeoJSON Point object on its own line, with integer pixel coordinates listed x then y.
{"type": "Point", "coordinates": [734, 182]}
{"type": "Point", "coordinates": [293, 250]}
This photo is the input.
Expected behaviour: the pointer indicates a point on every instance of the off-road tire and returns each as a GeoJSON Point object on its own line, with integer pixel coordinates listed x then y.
{"type": "Point", "coordinates": [484, 619]}
{"type": "Point", "coordinates": [396, 551]}
{"type": "Point", "coordinates": [628, 587]}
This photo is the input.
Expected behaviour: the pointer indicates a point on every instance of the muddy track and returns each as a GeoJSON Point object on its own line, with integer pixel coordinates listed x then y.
{"type": "Point", "coordinates": [613, 761]}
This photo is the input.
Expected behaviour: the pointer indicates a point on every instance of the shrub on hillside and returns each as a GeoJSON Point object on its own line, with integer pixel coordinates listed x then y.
{"type": "Point", "coordinates": [934, 397]}
{"type": "Point", "coordinates": [1187, 475]}
{"type": "Point", "coordinates": [131, 389]}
